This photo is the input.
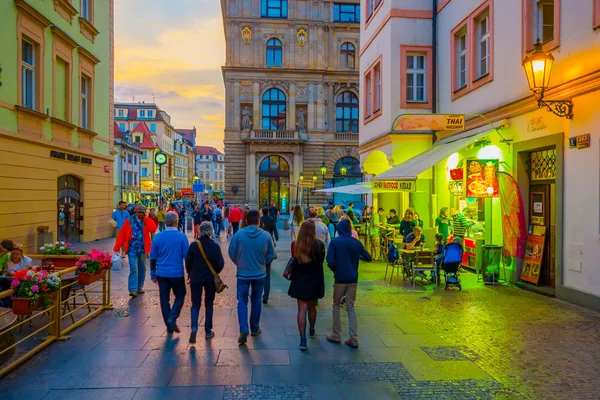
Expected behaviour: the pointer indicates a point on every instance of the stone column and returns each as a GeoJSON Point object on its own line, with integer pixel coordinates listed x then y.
{"type": "Point", "coordinates": [291, 112]}
{"type": "Point", "coordinates": [228, 103]}
{"type": "Point", "coordinates": [331, 104]}
{"type": "Point", "coordinates": [320, 107]}
{"type": "Point", "coordinates": [256, 114]}
{"type": "Point", "coordinates": [297, 167]}
{"type": "Point", "coordinates": [312, 116]}
{"type": "Point", "coordinates": [236, 105]}
{"type": "Point", "coordinates": [252, 186]}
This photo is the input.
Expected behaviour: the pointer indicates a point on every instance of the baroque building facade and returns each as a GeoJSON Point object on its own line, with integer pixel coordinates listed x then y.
{"type": "Point", "coordinates": [292, 99]}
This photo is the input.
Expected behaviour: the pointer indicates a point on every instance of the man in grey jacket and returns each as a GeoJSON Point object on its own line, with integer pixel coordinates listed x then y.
{"type": "Point", "coordinates": [251, 249]}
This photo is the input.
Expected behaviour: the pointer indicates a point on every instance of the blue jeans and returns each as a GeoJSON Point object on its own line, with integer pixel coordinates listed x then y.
{"type": "Point", "coordinates": [164, 286]}
{"type": "Point", "coordinates": [209, 298]}
{"type": "Point", "coordinates": [267, 289]}
{"type": "Point", "coordinates": [217, 228]}
{"type": "Point", "coordinates": [243, 291]}
{"type": "Point", "coordinates": [137, 271]}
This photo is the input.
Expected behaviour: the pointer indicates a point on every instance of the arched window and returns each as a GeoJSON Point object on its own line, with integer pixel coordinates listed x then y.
{"type": "Point", "coordinates": [346, 113]}
{"type": "Point", "coordinates": [273, 110]}
{"type": "Point", "coordinates": [274, 52]}
{"type": "Point", "coordinates": [347, 56]}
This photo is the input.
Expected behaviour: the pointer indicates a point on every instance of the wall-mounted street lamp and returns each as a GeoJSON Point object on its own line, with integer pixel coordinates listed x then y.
{"type": "Point", "coordinates": [323, 170]}
{"type": "Point", "coordinates": [315, 177]}
{"type": "Point", "coordinates": [538, 67]}
{"type": "Point", "coordinates": [343, 170]}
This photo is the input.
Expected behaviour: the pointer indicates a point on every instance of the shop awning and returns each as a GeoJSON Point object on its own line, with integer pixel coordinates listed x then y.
{"type": "Point", "coordinates": [410, 169]}
{"type": "Point", "coordinates": [357, 188]}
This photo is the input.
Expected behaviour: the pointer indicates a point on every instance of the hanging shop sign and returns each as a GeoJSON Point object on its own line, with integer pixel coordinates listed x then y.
{"type": "Point", "coordinates": [396, 186]}
{"type": "Point", "coordinates": [425, 122]}
{"type": "Point", "coordinates": [288, 185]}
{"type": "Point", "coordinates": [482, 178]}
{"type": "Point", "coordinates": [187, 191]}
{"type": "Point", "coordinates": [70, 157]}
{"type": "Point", "coordinates": [148, 186]}
{"type": "Point", "coordinates": [534, 251]}
{"type": "Point", "coordinates": [457, 188]}
{"type": "Point", "coordinates": [307, 184]}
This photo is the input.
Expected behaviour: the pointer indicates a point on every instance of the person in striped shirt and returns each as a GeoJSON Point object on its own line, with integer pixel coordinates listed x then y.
{"type": "Point", "coordinates": [460, 223]}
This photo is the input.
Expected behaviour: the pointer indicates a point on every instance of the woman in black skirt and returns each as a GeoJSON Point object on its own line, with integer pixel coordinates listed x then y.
{"type": "Point", "coordinates": [308, 282]}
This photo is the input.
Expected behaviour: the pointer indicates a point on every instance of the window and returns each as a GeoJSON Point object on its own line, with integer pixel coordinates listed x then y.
{"type": "Point", "coordinates": [274, 8]}
{"type": "Point", "coordinates": [152, 127]}
{"type": "Point", "coordinates": [346, 13]}
{"type": "Point", "coordinates": [346, 114]}
{"type": "Point", "coordinates": [415, 78]}
{"type": "Point", "coordinates": [273, 110]}
{"type": "Point", "coordinates": [85, 9]}
{"type": "Point", "coordinates": [129, 158]}
{"type": "Point", "coordinates": [142, 113]}
{"type": "Point", "coordinates": [274, 53]}
{"type": "Point", "coordinates": [543, 20]}
{"type": "Point", "coordinates": [347, 56]}
{"type": "Point", "coordinates": [120, 113]}
{"type": "Point", "coordinates": [150, 113]}
{"type": "Point", "coordinates": [461, 47]}
{"type": "Point", "coordinates": [134, 125]}
{"type": "Point", "coordinates": [377, 70]}
{"type": "Point", "coordinates": [28, 74]}
{"type": "Point", "coordinates": [138, 139]}
{"type": "Point", "coordinates": [134, 160]}
{"type": "Point", "coordinates": [122, 127]}
{"type": "Point", "coordinates": [85, 103]}
{"type": "Point", "coordinates": [483, 37]}
{"type": "Point", "coordinates": [144, 155]}
{"type": "Point", "coordinates": [372, 90]}
{"type": "Point", "coordinates": [372, 6]}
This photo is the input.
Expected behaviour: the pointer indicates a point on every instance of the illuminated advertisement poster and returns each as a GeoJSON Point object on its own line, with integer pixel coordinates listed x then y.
{"type": "Point", "coordinates": [482, 178]}
{"type": "Point", "coordinates": [433, 122]}
{"type": "Point", "coordinates": [534, 251]}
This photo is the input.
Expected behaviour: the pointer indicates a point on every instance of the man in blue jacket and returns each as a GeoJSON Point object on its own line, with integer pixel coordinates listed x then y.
{"type": "Point", "coordinates": [251, 249]}
{"type": "Point", "coordinates": [169, 249]}
{"type": "Point", "coordinates": [343, 257]}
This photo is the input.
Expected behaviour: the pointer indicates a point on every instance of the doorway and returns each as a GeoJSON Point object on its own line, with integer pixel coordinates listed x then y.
{"type": "Point", "coordinates": [69, 209]}
{"type": "Point", "coordinates": [274, 173]}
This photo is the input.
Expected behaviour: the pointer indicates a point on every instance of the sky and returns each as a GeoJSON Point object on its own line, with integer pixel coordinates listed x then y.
{"type": "Point", "coordinates": [173, 50]}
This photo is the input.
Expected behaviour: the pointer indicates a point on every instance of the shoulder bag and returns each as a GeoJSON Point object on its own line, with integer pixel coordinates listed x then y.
{"type": "Point", "coordinates": [219, 284]}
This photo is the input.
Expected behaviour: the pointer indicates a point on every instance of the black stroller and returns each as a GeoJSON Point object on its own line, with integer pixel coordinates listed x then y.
{"type": "Point", "coordinates": [453, 253]}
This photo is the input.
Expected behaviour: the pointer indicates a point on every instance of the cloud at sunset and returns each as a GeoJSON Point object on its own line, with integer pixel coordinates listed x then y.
{"type": "Point", "coordinates": [173, 54]}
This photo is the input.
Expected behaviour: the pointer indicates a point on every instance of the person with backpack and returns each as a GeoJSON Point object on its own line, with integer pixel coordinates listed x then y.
{"type": "Point", "coordinates": [218, 220]}
{"type": "Point", "coordinates": [269, 224]}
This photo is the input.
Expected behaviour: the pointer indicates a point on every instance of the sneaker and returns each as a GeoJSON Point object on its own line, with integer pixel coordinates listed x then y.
{"type": "Point", "coordinates": [333, 339]}
{"type": "Point", "coordinates": [312, 332]}
{"type": "Point", "coordinates": [243, 338]}
{"type": "Point", "coordinates": [258, 332]}
{"type": "Point", "coordinates": [352, 343]}
{"type": "Point", "coordinates": [265, 301]}
{"type": "Point", "coordinates": [172, 327]}
{"type": "Point", "coordinates": [209, 335]}
{"type": "Point", "coordinates": [141, 291]}
{"type": "Point", "coordinates": [193, 337]}
{"type": "Point", "coordinates": [133, 294]}
{"type": "Point", "coordinates": [303, 346]}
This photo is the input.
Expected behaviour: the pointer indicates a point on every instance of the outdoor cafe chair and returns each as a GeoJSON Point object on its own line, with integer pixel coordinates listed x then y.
{"type": "Point", "coordinates": [424, 260]}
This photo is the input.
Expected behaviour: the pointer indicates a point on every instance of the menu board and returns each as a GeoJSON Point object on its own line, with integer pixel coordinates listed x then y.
{"type": "Point", "coordinates": [534, 251]}
{"type": "Point", "coordinates": [482, 178]}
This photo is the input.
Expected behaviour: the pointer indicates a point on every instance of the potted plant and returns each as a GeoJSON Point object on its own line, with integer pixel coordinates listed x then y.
{"type": "Point", "coordinates": [93, 266]}
{"type": "Point", "coordinates": [32, 289]}
{"type": "Point", "coordinates": [65, 256]}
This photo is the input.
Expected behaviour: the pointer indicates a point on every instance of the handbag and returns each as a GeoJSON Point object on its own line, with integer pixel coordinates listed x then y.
{"type": "Point", "coordinates": [219, 284]}
{"type": "Point", "coordinates": [287, 272]}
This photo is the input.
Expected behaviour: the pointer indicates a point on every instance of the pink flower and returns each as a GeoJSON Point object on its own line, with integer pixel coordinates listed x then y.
{"type": "Point", "coordinates": [67, 244]}
{"type": "Point", "coordinates": [15, 283]}
{"type": "Point", "coordinates": [35, 288]}
{"type": "Point", "coordinates": [39, 279]}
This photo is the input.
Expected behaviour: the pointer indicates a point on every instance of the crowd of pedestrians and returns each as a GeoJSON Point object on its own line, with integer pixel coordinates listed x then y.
{"type": "Point", "coordinates": [252, 248]}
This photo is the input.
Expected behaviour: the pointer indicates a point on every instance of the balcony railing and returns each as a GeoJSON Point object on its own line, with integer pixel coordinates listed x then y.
{"type": "Point", "coordinates": [274, 135]}
{"type": "Point", "coordinates": [345, 137]}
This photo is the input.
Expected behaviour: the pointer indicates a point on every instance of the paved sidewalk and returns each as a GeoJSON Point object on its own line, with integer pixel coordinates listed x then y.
{"type": "Point", "coordinates": [481, 343]}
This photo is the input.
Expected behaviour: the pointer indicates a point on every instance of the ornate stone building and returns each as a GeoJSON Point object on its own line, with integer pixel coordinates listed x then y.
{"type": "Point", "coordinates": [292, 101]}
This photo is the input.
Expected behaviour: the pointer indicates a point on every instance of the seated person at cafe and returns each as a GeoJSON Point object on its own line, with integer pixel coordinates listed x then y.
{"type": "Point", "coordinates": [415, 239]}
{"type": "Point", "coordinates": [5, 248]}
{"type": "Point", "coordinates": [17, 261]}
{"type": "Point", "coordinates": [393, 219]}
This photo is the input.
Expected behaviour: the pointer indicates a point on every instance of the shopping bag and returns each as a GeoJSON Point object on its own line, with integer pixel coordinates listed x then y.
{"type": "Point", "coordinates": [117, 262]}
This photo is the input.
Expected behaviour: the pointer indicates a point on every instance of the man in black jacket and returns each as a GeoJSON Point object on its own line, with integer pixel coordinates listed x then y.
{"type": "Point", "coordinates": [207, 213]}
{"type": "Point", "coordinates": [201, 277]}
{"type": "Point", "coordinates": [343, 257]}
{"type": "Point", "coordinates": [269, 224]}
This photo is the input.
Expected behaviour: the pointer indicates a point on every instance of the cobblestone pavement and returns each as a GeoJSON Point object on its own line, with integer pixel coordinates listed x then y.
{"type": "Point", "coordinates": [479, 343]}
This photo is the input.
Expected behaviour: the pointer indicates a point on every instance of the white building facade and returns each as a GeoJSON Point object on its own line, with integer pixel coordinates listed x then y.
{"type": "Point", "coordinates": [466, 57]}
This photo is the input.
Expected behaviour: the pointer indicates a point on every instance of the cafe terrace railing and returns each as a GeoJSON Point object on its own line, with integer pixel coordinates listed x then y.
{"type": "Point", "coordinates": [67, 312]}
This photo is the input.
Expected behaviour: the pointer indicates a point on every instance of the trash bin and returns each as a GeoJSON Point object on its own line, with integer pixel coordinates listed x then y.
{"type": "Point", "coordinates": [490, 264]}
{"type": "Point", "coordinates": [286, 224]}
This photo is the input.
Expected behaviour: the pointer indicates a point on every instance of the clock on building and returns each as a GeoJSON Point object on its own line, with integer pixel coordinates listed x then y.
{"type": "Point", "coordinates": [160, 158]}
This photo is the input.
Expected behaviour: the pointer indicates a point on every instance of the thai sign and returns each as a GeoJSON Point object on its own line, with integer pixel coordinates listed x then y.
{"type": "Point", "coordinates": [429, 122]}
{"type": "Point", "coordinates": [482, 178]}
{"type": "Point", "coordinates": [395, 186]}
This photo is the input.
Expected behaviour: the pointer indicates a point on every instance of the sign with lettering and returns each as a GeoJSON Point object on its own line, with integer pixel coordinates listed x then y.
{"type": "Point", "coordinates": [70, 157]}
{"type": "Point", "coordinates": [307, 184]}
{"type": "Point", "coordinates": [426, 122]}
{"type": "Point", "coordinates": [396, 186]}
{"type": "Point", "coordinates": [288, 185]}
{"type": "Point", "coordinates": [187, 191]}
{"type": "Point", "coordinates": [583, 141]}
{"type": "Point", "coordinates": [535, 124]}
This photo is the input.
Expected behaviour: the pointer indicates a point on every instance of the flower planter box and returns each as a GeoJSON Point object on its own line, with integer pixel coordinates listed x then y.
{"type": "Point", "coordinates": [86, 279]}
{"type": "Point", "coordinates": [24, 306]}
{"type": "Point", "coordinates": [62, 262]}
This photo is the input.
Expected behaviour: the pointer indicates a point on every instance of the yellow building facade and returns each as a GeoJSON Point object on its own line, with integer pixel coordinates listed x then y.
{"type": "Point", "coordinates": [56, 127]}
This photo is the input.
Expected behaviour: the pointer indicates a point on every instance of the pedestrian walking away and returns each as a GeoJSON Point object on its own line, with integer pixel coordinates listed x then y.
{"type": "Point", "coordinates": [235, 217]}
{"type": "Point", "coordinates": [169, 250]}
{"type": "Point", "coordinates": [343, 257]}
{"type": "Point", "coordinates": [307, 279]}
{"type": "Point", "coordinates": [201, 253]}
{"type": "Point", "coordinates": [134, 240]}
{"type": "Point", "coordinates": [182, 214]}
{"type": "Point", "coordinates": [250, 250]}
{"type": "Point", "coordinates": [269, 224]}
{"type": "Point", "coordinates": [161, 218]}
{"type": "Point", "coordinates": [321, 229]}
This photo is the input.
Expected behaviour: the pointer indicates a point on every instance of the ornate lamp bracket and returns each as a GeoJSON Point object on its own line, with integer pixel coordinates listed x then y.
{"type": "Point", "coordinates": [561, 108]}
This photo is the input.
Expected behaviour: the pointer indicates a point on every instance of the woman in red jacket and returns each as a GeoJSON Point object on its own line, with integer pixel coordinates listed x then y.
{"type": "Point", "coordinates": [134, 240]}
